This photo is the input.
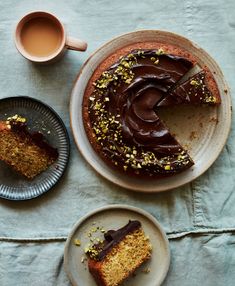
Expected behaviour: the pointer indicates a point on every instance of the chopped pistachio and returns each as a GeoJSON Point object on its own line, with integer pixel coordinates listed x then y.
{"type": "Point", "coordinates": [194, 82]}
{"type": "Point", "coordinates": [77, 242]}
{"type": "Point", "coordinates": [139, 166]}
{"type": "Point", "coordinates": [17, 118]}
{"type": "Point", "coordinates": [167, 167]}
{"type": "Point", "coordinates": [156, 62]}
{"type": "Point", "coordinates": [160, 52]}
{"type": "Point", "coordinates": [146, 271]}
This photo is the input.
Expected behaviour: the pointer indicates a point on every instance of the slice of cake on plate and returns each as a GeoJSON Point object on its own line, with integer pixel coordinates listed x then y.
{"type": "Point", "coordinates": [28, 154]}
{"type": "Point", "coordinates": [116, 258]}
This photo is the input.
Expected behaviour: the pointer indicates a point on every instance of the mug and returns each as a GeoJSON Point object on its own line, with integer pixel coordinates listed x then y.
{"type": "Point", "coordinates": [42, 30]}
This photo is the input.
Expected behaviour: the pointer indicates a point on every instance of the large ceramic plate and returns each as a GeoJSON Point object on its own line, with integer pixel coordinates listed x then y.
{"type": "Point", "coordinates": [114, 217]}
{"type": "Point", "coordinates": [203, 131]}
{"type": "Point", "coordinates": [40, 118]}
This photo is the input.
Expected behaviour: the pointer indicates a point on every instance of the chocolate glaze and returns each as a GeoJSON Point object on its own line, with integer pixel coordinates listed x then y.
{"type": "Point", "coordinates": [132, 103]}
{"type": "Point", "coordinates": [192, 91]}
{"type": "Point", "coordinates": [113, 237]}
{"type": "Point", "coordinates": [37, 138]}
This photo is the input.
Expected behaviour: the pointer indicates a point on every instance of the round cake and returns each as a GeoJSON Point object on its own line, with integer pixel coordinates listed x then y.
{"type": "Point", "coordinates": [121, 103]}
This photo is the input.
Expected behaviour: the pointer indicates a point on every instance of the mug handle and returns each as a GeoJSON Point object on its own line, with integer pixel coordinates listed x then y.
{"type": "Point", "coordinates": [75, 44]}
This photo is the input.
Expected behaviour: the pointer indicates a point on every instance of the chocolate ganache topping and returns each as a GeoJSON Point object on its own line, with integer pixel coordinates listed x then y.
{"type": "Point", "coordinates": [112, 238]}
{"type": "Point", "coordinates": [122, 112]}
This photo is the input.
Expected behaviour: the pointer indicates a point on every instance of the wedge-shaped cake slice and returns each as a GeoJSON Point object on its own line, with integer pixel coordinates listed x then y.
{"type": "Point", "coordinates": [192, 91]}
{"type": "Point", "coordinates": [119, 255]}
{"type": "Point", "coordinates": [26, 153]}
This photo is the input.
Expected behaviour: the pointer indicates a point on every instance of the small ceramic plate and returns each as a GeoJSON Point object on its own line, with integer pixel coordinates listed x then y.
{"type": "Point", "coordinates": [43, 118]}
{"type": "Point", "coordinates": [152, 273]}
{"type": "Point", "coordinates": [203, 131]}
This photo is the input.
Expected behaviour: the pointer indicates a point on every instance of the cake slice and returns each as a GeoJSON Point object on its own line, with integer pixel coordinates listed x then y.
{"type": "Point", "coordinates": [28, 154]}
{"type": "Point", "coordinates": [119, 255]}
{"type": "Point", "coordinates": [192, 91]}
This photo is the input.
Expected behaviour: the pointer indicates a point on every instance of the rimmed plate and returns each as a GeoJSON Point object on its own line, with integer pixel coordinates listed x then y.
{"type": "Point", "coordinates": [41, 118]}
{"type": "Point", "coordinates": [114, 217]}
{"type": "Point", "coordinates": [203, 131]}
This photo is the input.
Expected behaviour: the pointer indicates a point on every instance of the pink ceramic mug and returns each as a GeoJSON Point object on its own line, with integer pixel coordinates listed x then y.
{"type": "Point", "coordinates": [64, 41]}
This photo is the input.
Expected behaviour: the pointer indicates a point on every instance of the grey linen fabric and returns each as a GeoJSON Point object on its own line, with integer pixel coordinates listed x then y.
{"type": "Point", "coordinates": [199, 218]}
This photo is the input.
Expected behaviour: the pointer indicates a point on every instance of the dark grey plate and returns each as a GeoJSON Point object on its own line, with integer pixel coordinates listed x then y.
{"type": "Point", "coordinates": [41, 118]}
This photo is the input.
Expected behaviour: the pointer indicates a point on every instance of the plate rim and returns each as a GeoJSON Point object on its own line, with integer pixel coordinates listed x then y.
{"type": "Point", "coordinates": [67, 141]}
{"type": "Point", "coordinates": [112, 207]}
{"type": "Point", "coordinates": [123, 184]}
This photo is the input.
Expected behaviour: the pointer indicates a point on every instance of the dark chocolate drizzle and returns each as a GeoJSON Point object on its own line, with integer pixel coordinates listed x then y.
{"type": "Point", "coordinates": [132, 104]}
{"type": "Point", "coordinates": [113, 237]}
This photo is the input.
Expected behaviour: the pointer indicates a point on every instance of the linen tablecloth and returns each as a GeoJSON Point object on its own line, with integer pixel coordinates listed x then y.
{"type": "Point", "coordinates": [199, 218]}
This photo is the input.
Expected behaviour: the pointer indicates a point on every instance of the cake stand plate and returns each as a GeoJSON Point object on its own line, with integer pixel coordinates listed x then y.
{"type": "Point", "coordinates": [40, 117]}
{"type": "Point", "coordinates": [202, 130]}
{"type": "Point", "coordinates": [151, 273]}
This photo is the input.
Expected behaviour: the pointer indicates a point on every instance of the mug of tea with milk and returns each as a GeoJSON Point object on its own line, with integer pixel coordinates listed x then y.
{"type": "Point", "coordinates": [41, 38]}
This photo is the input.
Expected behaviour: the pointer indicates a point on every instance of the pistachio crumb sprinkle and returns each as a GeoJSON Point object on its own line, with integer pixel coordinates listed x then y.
{"type": "Point", "coordinates": [77, 242]}
{"type": "Point", "coordinates": [17, 118]}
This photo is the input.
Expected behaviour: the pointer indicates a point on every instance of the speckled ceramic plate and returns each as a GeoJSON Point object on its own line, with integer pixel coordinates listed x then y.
{"type": "Point", "coordinates": [114, 217]}
{"type": "Point", "coordinates": [40, 118]}
{"type": "Point", "coordinates": [203, 131]}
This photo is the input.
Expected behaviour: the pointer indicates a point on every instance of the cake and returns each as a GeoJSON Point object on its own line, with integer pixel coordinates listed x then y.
{"type": "Point", "coordinates": [192, 91]}
{"type": "Point", "coordinates": [116, 258]}
{"type": "Point", "coordinates": [28, 154]}
{"type": "Point", "coordinates": [121, 103]}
